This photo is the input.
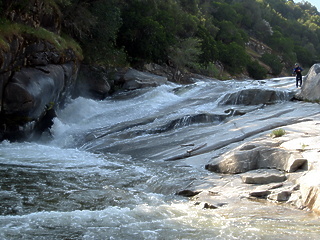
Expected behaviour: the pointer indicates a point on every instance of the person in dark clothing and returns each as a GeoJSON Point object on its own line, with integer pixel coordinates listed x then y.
{"type": "Point", "coordinates": [297, 71]}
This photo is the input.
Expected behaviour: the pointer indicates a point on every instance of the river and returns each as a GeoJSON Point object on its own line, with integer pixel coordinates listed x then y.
{"type": "Point", "coordinates": [103, 173]}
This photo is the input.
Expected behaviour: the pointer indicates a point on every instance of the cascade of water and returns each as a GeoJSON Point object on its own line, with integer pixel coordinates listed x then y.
{"type": "Point", "coordinates": [102, 175]}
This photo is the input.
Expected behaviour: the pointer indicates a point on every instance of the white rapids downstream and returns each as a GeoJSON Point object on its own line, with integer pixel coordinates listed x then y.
{"type": "Point", "coordinates": [103, 173]}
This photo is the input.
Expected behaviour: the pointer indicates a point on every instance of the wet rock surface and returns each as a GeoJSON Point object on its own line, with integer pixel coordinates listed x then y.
{"type": "Point", "coordinates": [293, 181]}
{"type": "Point", "coordinates": [34, 77]}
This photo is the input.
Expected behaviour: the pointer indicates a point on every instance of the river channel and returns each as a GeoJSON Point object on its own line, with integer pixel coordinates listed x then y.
{"type": "Point", "coordinates": [103, 172]}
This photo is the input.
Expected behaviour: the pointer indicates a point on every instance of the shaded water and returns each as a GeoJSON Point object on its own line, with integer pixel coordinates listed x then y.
{"type": "Point", "coordinates": [103, 174]}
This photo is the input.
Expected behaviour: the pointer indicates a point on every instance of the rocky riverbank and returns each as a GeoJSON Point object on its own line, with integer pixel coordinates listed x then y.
{"type": "Point", "coordinates": [283, 170]}
{"type": "Point", "coordinates": [261, 167]}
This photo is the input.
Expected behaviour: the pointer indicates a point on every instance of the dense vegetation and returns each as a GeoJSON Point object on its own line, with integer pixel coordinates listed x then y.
{"type": "Point", "coordinates": [194, 35]}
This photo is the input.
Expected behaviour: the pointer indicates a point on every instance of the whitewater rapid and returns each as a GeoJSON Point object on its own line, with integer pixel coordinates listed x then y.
{"type": "Point", "coordinates": [102, 172]}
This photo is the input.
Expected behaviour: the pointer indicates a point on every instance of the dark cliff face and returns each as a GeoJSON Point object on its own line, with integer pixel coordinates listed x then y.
{"type": "Point", "coordinates": [34, 77]}
{"type": "Point", "coordinates": [38, 68]}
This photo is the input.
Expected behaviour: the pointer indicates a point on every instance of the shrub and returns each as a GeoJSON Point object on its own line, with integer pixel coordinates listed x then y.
{"type": "Point", "coordinates": [278, 133]}
{"type": "Point", "coordinates": [256, 71]}
{"type": "Point", "coordinates": [273, 61]}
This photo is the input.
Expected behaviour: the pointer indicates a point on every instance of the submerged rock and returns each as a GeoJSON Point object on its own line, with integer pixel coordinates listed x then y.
{"type": "Point", "coordinates": [209, 206]}
{"type": "Point", "coordinates": [188, 193]}
{"type": "Point", "coordinates": [255, 96]}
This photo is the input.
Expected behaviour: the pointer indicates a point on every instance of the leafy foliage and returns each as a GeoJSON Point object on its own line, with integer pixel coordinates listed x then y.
{"type": "Point", "coordinates": [273, 61]}
{"type": "Point", "coordinates": [255, 70]}
{"type": "Point", "coordinates": [278, 132]}
{"type": "Point", "coordinates": [185, 53]}
{"type": "Point", "coordinates": [190, 34]}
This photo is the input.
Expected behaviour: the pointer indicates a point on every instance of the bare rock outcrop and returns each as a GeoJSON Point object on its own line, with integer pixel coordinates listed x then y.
{"type": "Point", "coordinates": [37, 71]}
{"type": "Point", "coordinates": [310, 190]}
{"type": "Point", "coordinates": [257, 155]}
{"type": "Point", "coordinates": [134, 79]}
{"type": "Point", "coordinates": [35, 77]}
{"type": "Point", "coordinates": [311, 85]}
{"type": "Point", "coordinates": [284, 170]}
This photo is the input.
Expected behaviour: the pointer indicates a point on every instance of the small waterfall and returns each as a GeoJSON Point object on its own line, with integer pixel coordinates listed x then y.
{"type": "Point", "coordinates": [103, 174]}
{"type": "Point", "coordinates": [256, 96]}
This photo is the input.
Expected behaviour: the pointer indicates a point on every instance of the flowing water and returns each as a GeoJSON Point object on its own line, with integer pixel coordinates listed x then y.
{"type": "Point", "coordinates": [103, 173]}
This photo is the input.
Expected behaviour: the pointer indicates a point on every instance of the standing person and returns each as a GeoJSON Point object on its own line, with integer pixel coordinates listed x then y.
{"type": "Point", "coordinates": [297, 70]}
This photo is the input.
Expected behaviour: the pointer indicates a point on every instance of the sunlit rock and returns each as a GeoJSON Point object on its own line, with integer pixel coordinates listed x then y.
{"type": "Point", "coordinates": [281, 196]}
{"type": "Point", "coordinates": [263, 176]}
{"type": "Point", "coordinates": [311, 85]}
{"type": "Point", "coordinates": [255, 156]}
{"type": "Point", "coordinates": [310, 190]}
{"type": "Point", "coordinates": [295, 162]}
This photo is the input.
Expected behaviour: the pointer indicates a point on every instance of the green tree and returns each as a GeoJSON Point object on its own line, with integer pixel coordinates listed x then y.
{"type": "Point", "coordinates": [255, 70]}
{"type": "Point", "coordinates": [234, 57]}
{"type": "Point", "coordinates": [210, 52]}
{"type": "Point", "coordinates": [100, 45]}
{"type": "Point", "coordinates": [190, 6]}
{"type": "Point", "coordinates": [144, 38]}
{"type": "Point", "coordinates": [225, 12]}
{"type": "Point", "coordinates": [304, 56]}
{"type": "Point", "coordinates": [250, 12]}
{"type": "Point", "coordinates": [185, 53]}
{"type": "Point", "coordinates": [229, 33]}
{"type": "Point", "coordinates": [274, 62]}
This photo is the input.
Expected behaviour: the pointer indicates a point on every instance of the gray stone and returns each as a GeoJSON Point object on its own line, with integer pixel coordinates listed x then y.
{"type": "Point", "coordinates": [263, 177]}
{"type": "Point", "coordinates": [255, 97]}
{"type": "Point", "coordinates": [37, 77]}
{"type": "Point", "coordinates": [134, 79]}
{"type": "Point", "coordinates": [311, 85]}
{"type": "Point", "coordinates": [257, 156]}
{"type": "Point", "coordinates": [260, 193]}
{"type": "Point", "coordinates": [30, 93]}
{"type": "Point", "coordinates": [209, 206]}
{"type": "Point", "coordinates": [93, 82]}
{"type": "Point", "coordinates": [295, 162]}
{"type": "Point", "coordinates": [281, 196]}
{"type": "Point", "coordinates": [188, 193]}
{"type": "Point", "coordinates": [310, 190]}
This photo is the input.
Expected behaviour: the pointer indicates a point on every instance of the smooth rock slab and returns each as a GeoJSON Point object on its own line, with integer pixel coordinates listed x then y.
{"type": "Point", "coordinates": [310, 190]}
{"type": "Point", "coordinates": [263, 177]}
{"type": "Point", "coordinates": [257, 156]}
